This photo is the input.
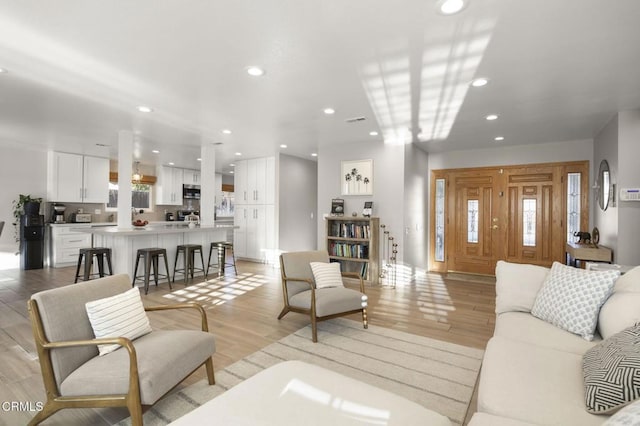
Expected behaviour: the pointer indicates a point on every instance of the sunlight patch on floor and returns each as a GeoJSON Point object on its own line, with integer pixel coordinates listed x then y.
{"type": "Point", "coordinates": [9, 260]}
{"type": "Point", "coordinates": [217, 291]}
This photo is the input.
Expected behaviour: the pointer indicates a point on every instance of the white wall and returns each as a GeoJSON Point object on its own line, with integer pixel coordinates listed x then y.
{"type": "Point", "coordinates": [298, 196]}
{"type": "Point", "coordinates": [628, 250]}
{"type": "Point", "coordinates": [388, 185]}
{"type": "Point", "coordinates": [22, 171]}
{"type": "Point", "coordinates": [605, 147]}
{"type": "Point", "coordinates": [416, 207]}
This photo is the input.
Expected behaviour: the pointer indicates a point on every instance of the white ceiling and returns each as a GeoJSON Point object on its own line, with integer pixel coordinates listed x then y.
{"type": "Point", "coordinates": [558, 70]}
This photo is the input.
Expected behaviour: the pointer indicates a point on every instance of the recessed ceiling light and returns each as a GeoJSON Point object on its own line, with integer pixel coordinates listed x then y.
{"type": "Point", "coordinates": [283, 146]}
{"type": "Point", "coordinates": [199, 159]}
{"type": "Point", "coordinates": [314, 154]}
{"type": "Point", "coordinates": [226, 131]}
{"type": "Point", "coordinates": [155, 151]}
{"type": "Point", "coordinates": [238, 154]}
{"type": "Point", "coordinates": [492, 117]}
{"type": "Point", "coordinates": [498, 138]}
{"type": "Point", "coordinates": [3, 70]}
{"type": "Point", "coordinates": [329, 111]}
{"type": "Point", "coordinates": [172, 164]}
{"type": "Point", "coordinates": [232, 165]}
{"type": "Point", "coordinates": [144, 108]}
{"type": "Point", "coordinates": [231, 172]}
{"type": "Point", "coordinates": [255, 71]}
{"type": "Point", "coordinates": [479, 82]}
{"type": "Point", "coordinates": [451, 7]}
{"type": "Point", "coordinates": [373, 133]}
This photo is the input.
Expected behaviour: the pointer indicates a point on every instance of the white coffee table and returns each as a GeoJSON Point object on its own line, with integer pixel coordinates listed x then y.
{"type": "Point", "coordinates": [297, 393]}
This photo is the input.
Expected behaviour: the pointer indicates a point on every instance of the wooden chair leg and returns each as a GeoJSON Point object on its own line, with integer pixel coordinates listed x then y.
{"type": "Point", "coordinates": [284, 312]}
{"type": "Point", "coordinates": [48, 410]}
{"type": "Point", "coordinates": [314, 329]}
{"type": "Point", "coordinates": [210, 375]}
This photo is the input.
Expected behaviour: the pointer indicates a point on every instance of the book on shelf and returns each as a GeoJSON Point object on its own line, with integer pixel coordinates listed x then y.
{"type": "Point", "coordinates": [350, 230]}
{"type": "Point", "coordinates": [355, 251]}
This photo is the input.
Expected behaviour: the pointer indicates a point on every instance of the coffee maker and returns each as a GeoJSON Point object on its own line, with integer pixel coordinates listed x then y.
{"type": "Point", "coordinates": [58, 213]}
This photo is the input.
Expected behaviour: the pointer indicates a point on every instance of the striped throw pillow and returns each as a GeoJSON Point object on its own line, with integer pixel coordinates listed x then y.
{"type": "Point", "coordinates": [326, 274]}
{"type": "Point", "coordinates": [121, 315]}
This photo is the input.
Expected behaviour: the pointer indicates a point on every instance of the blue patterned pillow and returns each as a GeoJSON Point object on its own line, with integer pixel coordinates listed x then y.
{"type": "Point", "coordinates": [570, 298]}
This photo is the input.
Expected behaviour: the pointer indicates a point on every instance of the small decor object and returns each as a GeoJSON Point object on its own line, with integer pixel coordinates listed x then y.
{"type": "Point", "coordinates": [595, 236]}
{"type": "Point", "coordinates": [368, 209]}
{"type": "Point", "coordinates": [611, 370]}
{"type": "Point", "coordinates": [140, 222]}
{"type": "Point", "coordinates": [354, 214]}
{"type": "Point", "coordinates": [357, 177]}
{"type": "Point", "coordinates": [25, 204]}
{"type": "Point", "coordinates": [337, 207]}
{"type": "Point", "coordinates": [583, 237]}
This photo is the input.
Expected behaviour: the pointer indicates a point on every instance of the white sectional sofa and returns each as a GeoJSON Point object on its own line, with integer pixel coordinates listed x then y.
{"type": "Point", "coordinates": [532, 371]}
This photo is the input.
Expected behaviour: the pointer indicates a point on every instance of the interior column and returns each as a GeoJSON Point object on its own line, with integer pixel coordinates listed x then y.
{"type": "Point", "coordinates": [208, 186]}
{"type": "Point", "coordinates": [125, 160]}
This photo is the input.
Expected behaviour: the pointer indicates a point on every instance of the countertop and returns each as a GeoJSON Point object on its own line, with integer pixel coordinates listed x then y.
{"type": "Point", "coordinates": [154, 228]}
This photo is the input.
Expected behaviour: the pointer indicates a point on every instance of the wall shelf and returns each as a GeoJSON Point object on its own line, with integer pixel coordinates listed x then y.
{"type": "Point", "coordinates": [353, 242]}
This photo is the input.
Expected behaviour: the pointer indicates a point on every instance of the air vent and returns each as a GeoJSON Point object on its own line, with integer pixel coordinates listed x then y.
{"type": "Point", "coordinates": [102, 144]}
{"type": "Point", "coordinates": [218, 143]}
{"type": "Point", "coordinates": [355, 119]}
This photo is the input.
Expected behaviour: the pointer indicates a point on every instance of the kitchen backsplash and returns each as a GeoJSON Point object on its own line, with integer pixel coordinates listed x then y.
{"type": "Point", "coordinates": [158, 214]}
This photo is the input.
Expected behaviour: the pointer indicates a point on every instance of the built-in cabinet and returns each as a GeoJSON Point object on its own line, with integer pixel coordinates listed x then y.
{"type": "Point", "coordinates": [353, 242]}
{"type": "Point", "coordinates": [74, 178]}
{"type": "Point", "coordinates": [65, 244]}
{"type": "Point", "coordinates": [191, 177]}
{"type": "Point", "coordinates": [169, 185]}
{"type": "Point", "coordinates": [255, 209]}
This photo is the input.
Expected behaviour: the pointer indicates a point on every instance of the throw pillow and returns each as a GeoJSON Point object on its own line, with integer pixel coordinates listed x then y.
{"type": "Point", "coordinates": [326, 274]}
{"type": "Point", "coordinates": [628, 416]}
{"type": "Point", "coordinates": [517, 286]}
{"type": "Point", "coordinates": [629, 282]}
{"type": "Point", "coordinates": [121, 315]}
{"type": "Point", "coordinates": [620, 311]}
{"type": "Point", "coordinates": [611, 372]}
{"type": "Point", "coordinates": [570, 298]}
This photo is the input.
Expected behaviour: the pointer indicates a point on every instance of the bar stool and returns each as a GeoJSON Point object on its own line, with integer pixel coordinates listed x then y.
{"type": "Point", "coordinates": [222, 264]}
{"type": "Point", "coordinates": [188, 251]}
{"type": "Point", "coordinates": [151, 258]}
{"type": "Point", "coordinates": [87, 253]}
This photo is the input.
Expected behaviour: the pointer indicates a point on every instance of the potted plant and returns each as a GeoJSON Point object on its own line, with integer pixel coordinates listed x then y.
{"type": "Point", "coordinates": [25, 204]}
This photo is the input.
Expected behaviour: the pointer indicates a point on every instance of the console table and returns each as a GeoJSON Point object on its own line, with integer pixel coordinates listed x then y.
{"type": "Point", "coordinates": [587, 252]}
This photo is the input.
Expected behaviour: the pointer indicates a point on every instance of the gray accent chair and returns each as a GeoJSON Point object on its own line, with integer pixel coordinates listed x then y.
{"type": "Point", "coordinates": [139, 373]}
{"type": "Point", "coordinates": [300, 293]}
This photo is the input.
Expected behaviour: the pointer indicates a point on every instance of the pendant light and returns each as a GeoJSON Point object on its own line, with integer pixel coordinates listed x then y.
{"type": "Point", "coordinates": [137, 176]}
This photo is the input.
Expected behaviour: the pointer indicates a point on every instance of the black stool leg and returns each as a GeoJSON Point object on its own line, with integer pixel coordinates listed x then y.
{"type": "Point", "coordinates": [221, 259]}
{"type": "Point", "coordinates": [192, 255]}
{"type": "Point", "coordinates": [166, 265]}
{"type": "Point", "coordinates": [175, 265]}
{"type": "Point", "coordinates": [202, 263]}
{"type": "Point", "coordinates": [88, 261]}
{"type": "Point", "coordinates": [206, 272]}
{"type": "Point", "coordinates": [155, 269]}
{"type": "Point", "coordinates": [78, 268]}
{"type": "Point", "coordinates": [135, 270]}
{"type": "Point", "coordinates": [147, 272]}
{"type": "Point", "coordinates": [233, 258]}
{"type": "Point", "coordinates": [100, 260]}
{"type": "Point", "coordinates": [108, 254]}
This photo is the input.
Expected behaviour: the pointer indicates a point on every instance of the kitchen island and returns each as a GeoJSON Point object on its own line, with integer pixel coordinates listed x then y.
{"type": "Point", "coordinates": [124, 243]}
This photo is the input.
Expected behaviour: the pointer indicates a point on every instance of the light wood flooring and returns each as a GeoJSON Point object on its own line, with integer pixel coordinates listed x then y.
{"type": "Point", "coordinates": [242, 315]}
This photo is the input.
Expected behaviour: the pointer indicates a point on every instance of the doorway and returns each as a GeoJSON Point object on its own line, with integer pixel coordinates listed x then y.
{"type": "Point", "coordinates": [520, 214]}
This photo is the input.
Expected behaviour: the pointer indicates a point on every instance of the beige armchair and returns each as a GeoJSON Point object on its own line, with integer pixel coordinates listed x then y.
{"type": "Point", "coordinates": [137, 374]}
{"type": "Point", "coordinates": [301, 295]}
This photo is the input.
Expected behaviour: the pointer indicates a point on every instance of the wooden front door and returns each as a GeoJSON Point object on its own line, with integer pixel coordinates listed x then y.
{"type": "Point", "coordinates": [472, 207]}
{"type": "Point", "coordinates": [512, 213]}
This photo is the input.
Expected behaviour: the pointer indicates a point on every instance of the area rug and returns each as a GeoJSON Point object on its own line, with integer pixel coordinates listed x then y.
{"type": "Point", "coordinates": [435, 374]}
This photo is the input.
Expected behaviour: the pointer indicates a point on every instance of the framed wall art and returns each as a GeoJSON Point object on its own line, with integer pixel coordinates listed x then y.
{"type": "Point", "coordinates": [357, 177]}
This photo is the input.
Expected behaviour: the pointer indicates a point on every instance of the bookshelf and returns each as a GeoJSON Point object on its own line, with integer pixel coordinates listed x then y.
{"type": "Point", "coordinates": [353, 241]}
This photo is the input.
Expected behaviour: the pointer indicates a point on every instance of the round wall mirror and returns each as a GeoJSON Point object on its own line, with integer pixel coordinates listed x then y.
{"type": "Point", "coordinates": [604, 183]}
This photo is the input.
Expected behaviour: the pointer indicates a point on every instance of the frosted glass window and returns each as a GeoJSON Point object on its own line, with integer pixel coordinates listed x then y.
{"type": "Point", "coordinates": [529, 223]}
{"type": "Point", "coordinates": [472, 221]}
{"type": "Point", "coordinates": [439, 254]}
{"type": "Point", "coordinates": [573, 205]}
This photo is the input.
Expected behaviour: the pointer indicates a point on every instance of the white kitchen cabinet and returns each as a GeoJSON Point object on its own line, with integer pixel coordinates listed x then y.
{"type": "Point", "coordinates": [169, 186]}
{"type": "Point", "coordinates": [77, 178]}
{"type": "Point", "coordinates": [66, 244]}
{"type": "Point", "coordinates": [240, 183]}
{"type": "Point", "coordinates": [240, 233]}
{"type": "Point", "coordinates": [191, 177]}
